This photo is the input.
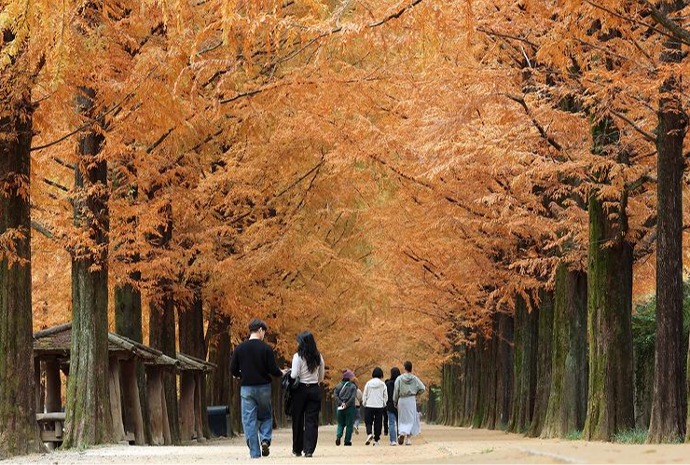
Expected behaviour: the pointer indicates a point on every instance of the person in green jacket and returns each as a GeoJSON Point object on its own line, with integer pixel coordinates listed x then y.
{"type": "Point", "coordinates": [345, 395]}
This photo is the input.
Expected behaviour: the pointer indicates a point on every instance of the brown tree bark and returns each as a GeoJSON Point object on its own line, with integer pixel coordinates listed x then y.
{"type": "Point", "coordinates": [543, 389]}
{"type": "Point", "coordinates": [609, 304]}
{"type": "Point", "coordinates": [218, 392]}
{"type": "Point", "coordinates": [568, 394]}
{"type": "Point", "coordinates": [191, 324]}
{"type": "Point", "coordinates": [88, 417]}
{"type": "Point", "coordinates": [504, 382]}
{"type": "Point", "coordinates": [162, 334]}
{"type": "Point", "coordinates": [128, 313]}
{"type": "Point", "coordinates": [525, 363]}
{"type": "Point", "coordinates": [669, 397]}
{"type": "Point", "coordinates": [18, 428]}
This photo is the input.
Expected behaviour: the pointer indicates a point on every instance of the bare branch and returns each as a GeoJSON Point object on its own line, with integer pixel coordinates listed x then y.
{"type": "Point", "coordinates": [42, 229]}
{"type": "Point", "coordinates": [55, 184]}
{"type": "Point", "coordinates": [648, 136]}
{"type": "Point", "coordinates": [540, 128]}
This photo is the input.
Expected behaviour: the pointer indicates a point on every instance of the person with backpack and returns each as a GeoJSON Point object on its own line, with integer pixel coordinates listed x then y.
{"type": "Point", "coordinates": [253, 361]}
{"type": "Point", "coordinates": [374, 400]}
{"type": "Point", "coordinates": [345, 395]}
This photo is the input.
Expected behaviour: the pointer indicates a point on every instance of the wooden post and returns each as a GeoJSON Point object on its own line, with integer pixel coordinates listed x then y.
{"type": "Point", "coordinates": [134, 418]}
{"type": "Point", "coordinates": [53, 401]}
{"type": "Point", "coordinates": [187, 385]}
{"type": "Point", "coordinates": [167, 434]}
{"type": "Point", "coordinates": [37, 385]}
{"type": "Point", "coordinates": [198, 406]}
{"type": "Point", "coordinates": [115, 403]}
{"type": "Point", "coordinates": [154, 390]}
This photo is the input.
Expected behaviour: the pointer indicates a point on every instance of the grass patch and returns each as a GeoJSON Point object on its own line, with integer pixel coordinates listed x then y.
{"type": "Point", "coordinates": [633, 436]}
{"type": "Point", "coordinates": [487, 450]}
{"type": "Point", "coordinates": [574, 436]}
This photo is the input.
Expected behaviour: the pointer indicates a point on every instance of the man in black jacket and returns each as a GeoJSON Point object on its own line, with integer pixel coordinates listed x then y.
{"type": "Point", "coordinates": [254, 362]}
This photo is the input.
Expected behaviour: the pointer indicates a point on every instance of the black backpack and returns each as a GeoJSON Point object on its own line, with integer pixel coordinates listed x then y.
{"type": "Point", "coordinates": [288, 385]}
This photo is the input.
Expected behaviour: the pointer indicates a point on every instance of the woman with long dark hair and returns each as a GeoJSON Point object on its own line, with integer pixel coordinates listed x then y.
{"type": "Point", "coordinates": [308, 366]}
{"type": "Point", "coordinates": [391, 410]}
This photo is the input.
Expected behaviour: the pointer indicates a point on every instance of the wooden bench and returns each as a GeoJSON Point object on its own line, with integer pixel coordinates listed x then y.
{"type": "Point", "coordinates": [51, 425]}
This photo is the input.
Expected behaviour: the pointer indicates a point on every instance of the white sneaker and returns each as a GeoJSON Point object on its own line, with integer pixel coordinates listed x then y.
{"type": "Point", "coordinates": [369, 439]}
{"type": "Point", "coordinates": [393, 443]}
{"type": "Point", "coordinates": [376, 443]}
{"type": "Point", "coordinates": [407, 441]}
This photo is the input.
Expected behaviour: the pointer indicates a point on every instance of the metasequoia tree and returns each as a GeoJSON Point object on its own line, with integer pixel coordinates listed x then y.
{"type": "Point", "coordinates": [288, 146]}
{"type": "Point", "coordinates": [630, 38]}
{"type": "Point", "coordinates": [18, 67]}
{"type": "Point", "coordinates": [88, 417]}
{"type": "Point", "coordinates": [669, 398]}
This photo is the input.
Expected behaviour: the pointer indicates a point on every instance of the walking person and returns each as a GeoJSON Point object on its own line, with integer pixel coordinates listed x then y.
{"type": "Point", "coordinates": [391, 411]}
{"type": "Point", "coordinates": [406, 389]}
{"type": "Point", "coordinates": [374, 400]}
{"type": "Point", "coordinates": [253, 361]}
{"type": "Point", "coordinates": [345, 395]}
{"type": "Point", "coordinates": [308, 366]}
{"type": "Point", "coordinates": [358, 408]}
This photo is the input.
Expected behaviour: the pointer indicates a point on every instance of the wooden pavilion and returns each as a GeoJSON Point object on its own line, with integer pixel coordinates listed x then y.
{"type": "Point", "coordinates": [52, 354]}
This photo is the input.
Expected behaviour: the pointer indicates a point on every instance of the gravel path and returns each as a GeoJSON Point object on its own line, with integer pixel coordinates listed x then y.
{"type": "Point", "coordinates": [437, 444]}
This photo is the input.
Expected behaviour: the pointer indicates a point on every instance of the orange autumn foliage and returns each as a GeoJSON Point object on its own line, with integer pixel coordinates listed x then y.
{"type": "Point", "coordinates": [382, 173]}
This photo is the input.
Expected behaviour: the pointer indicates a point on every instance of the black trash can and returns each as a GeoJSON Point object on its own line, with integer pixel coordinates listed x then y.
{"type": "Point", "coordinates": [219, 420]}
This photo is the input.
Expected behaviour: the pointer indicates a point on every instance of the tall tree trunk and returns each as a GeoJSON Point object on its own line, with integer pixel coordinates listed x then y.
{"type": "Point", "coordinates": [490, 376]}
{"type": "Point", "coordinates": [472, 376]}
{"type": "Point", "coordinates": [191, 324]}
{"type": "Point", "coordinates": [568, 398]}
{"type": "Point", "coordinates": [504, 382]}
{"type": "Point", "coordinates": [669, 398]}
{"type": "Point", "coordinates": [609, 311]}
{"type": "Point", "coordinates": [442, 417]}
{"type": "Point", "coordinates": [543, 388]}
{"type": "Point", "coordinates": [88, 417]}
{"type": "Point", "coordinates": [609, 300]}
{"type": "Point", "coordinates": [525, 374]}
{"type": "Point", "coordinates": [218, 392]}
{"type": "Point", "coordinates": [128, 313]}
{"type": "Point", "coordinates": [162, 335]}
{"type": "Point", "coordinates": [18, 428]}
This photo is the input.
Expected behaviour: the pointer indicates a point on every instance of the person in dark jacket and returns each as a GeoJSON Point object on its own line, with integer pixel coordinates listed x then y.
{"type": "Point", "coordinates": [391, 410]}
{"type": "Point", "coordinates": [254, 363]}
{"type": "Point", "coordinates": [345, 395]}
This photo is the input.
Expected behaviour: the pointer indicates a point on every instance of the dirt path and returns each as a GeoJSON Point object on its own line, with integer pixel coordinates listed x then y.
{"type": "Point", "coordinates": [437, 444]}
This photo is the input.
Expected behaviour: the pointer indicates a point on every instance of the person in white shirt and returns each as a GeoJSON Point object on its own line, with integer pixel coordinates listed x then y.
{"type": "Point", "coordinates": [374, 401]}
{"type": "Point", "coordinates": [308, 366]}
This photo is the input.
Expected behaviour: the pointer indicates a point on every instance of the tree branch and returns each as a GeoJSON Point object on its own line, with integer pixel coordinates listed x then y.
{"type": "Point", "coordinates": [540, 128]}
{"type": "Point", "coordinates": [87, 125]}
{"type": "Point", "coordinates": [626, 18]}
{"type": "Point", "coordinates": [62, 162]}
{"type": "Point", "coordinates": [42, 229]}
{"type": "Point", "coordinates": [648, 136]}
{"type": "Point", "coordinates": [55, 184]}
{"type": "Point", "coordinates": [663, 19]}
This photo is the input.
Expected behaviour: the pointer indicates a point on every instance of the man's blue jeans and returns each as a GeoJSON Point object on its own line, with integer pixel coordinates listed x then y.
{"type": "Point", "coordinates": [257, 416]}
